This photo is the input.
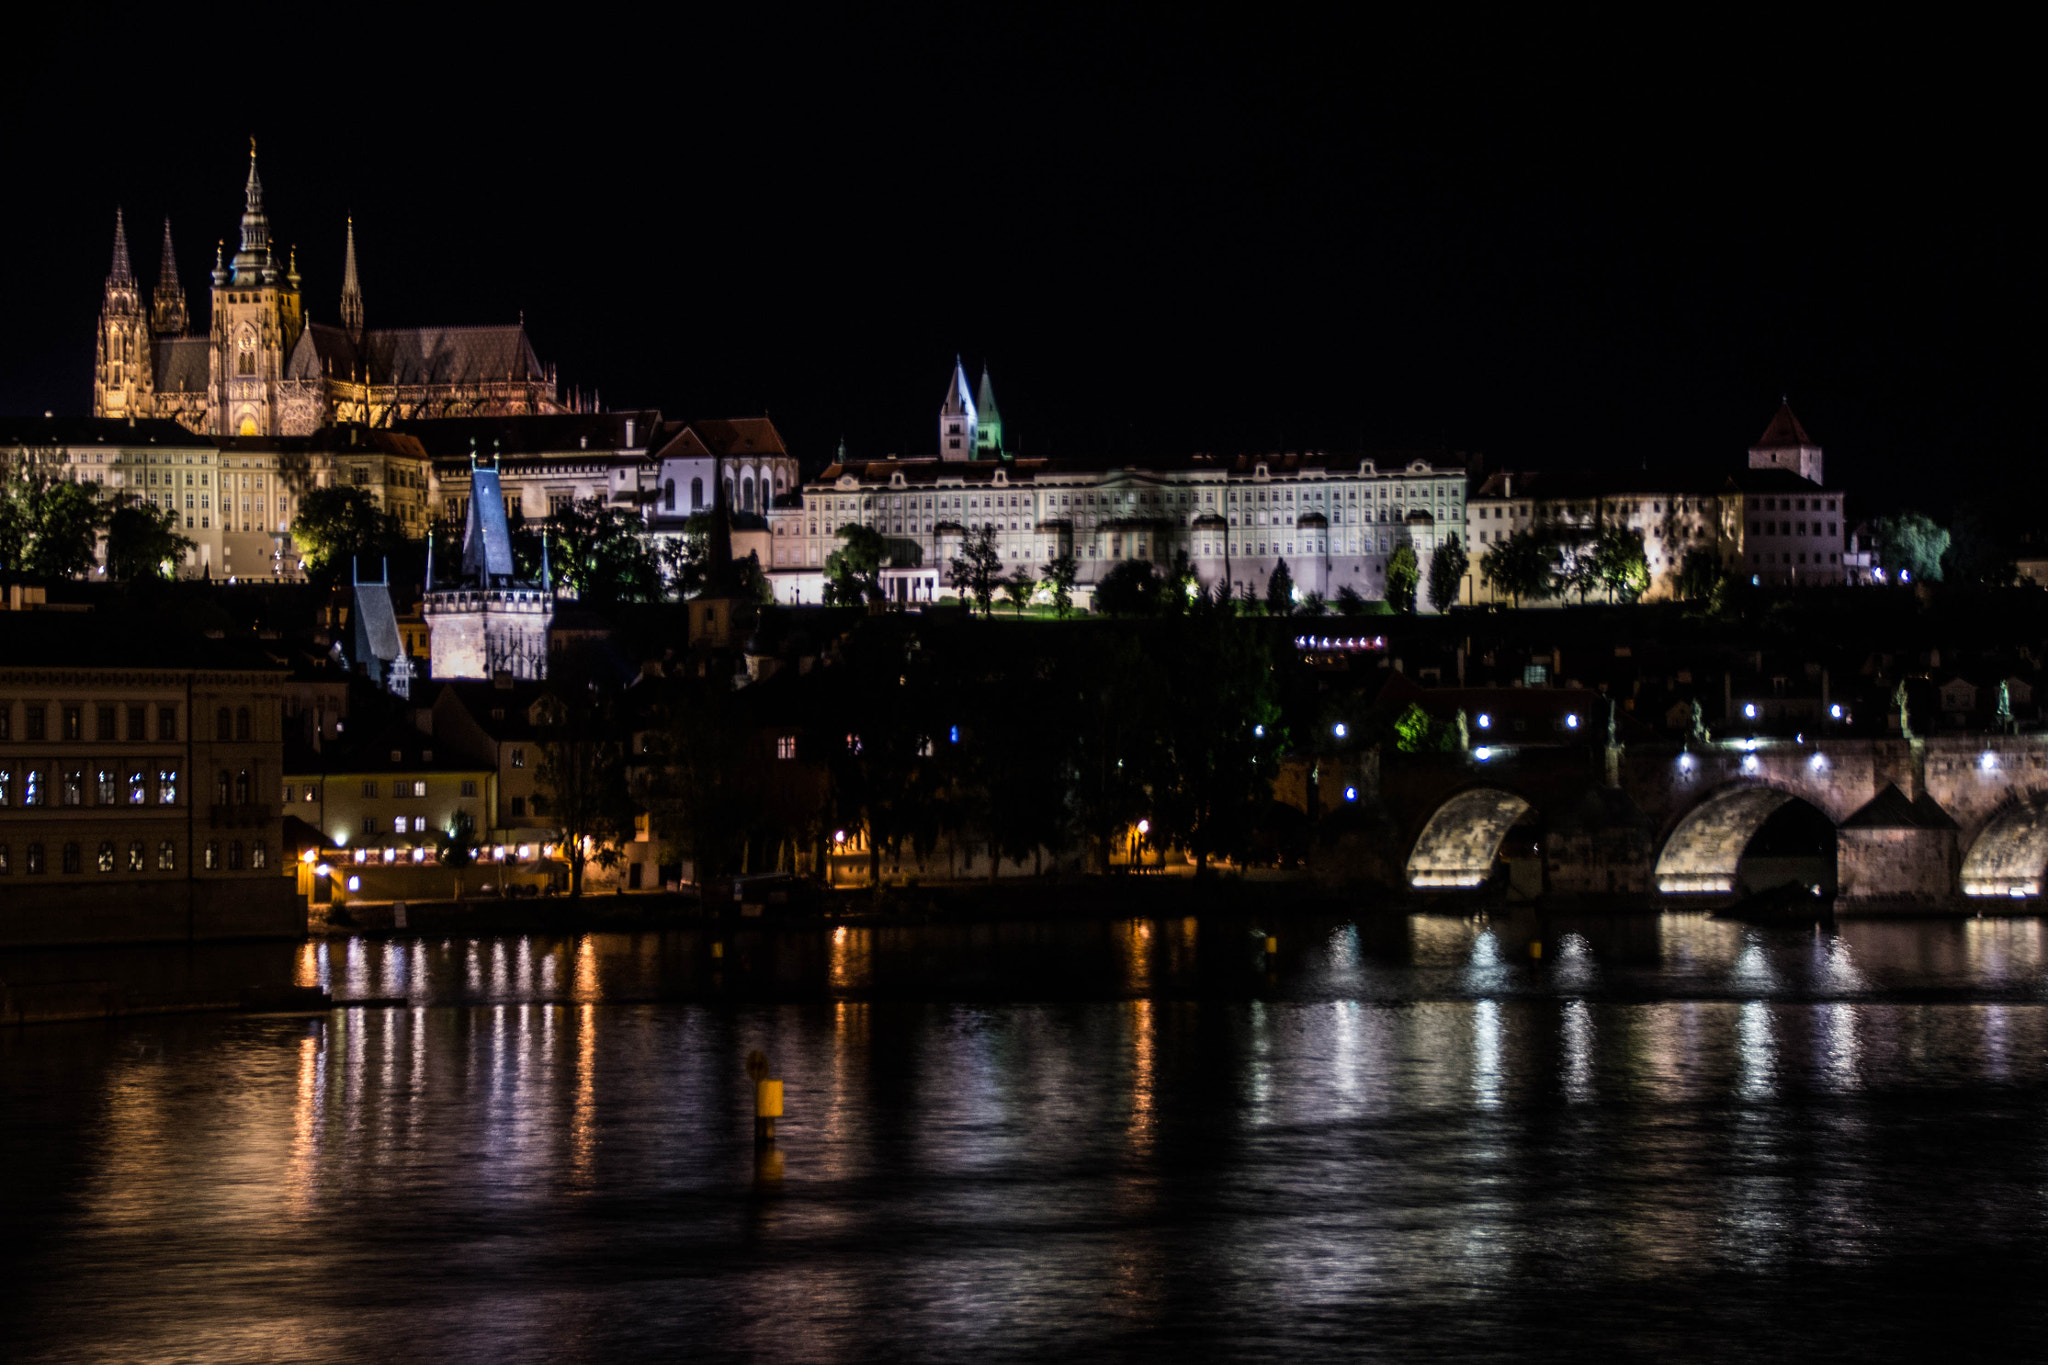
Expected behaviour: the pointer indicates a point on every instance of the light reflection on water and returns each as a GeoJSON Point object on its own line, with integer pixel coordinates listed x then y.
{"type": "Point", "coordinates": [1416, 1135]}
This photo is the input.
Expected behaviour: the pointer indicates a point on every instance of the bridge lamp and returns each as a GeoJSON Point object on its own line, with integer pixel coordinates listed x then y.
{"type": "Point", "coordinates": [355, 883]}
{"type": "Point", "coordinates": [1749, 710]}
{"type": "Point", "coordinates": [1338, 730]}
{"type": "Point", "coordinates": [1482, 753]}
{"type": "Point", "coordinates": [1571, 722]}
{"type": "Point", "coordinates": [1351, 793]}
{"type": "Point", "coordinates": [1988, 762]}
{"type": "Point", "coordinates": [1685, 763]}
{"type": "Point", "coordinates": [1905, 576]}
{"type": "Point", "coordinates": [1749, 763]}
{"type": "Point", "coordinates": [1835, 711]}
{"type": "Point", "coordinates": [1817, 762]}
{"type": "Point", "coordinates": [1258, 732]}
{"type": "Point", "coordinates": [1485, 721]}
{"type": "Point", "coordinates": [1144, 827]}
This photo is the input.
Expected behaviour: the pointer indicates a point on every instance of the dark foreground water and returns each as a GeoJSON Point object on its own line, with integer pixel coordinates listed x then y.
{"type": "Point", "coordinates": [1665, 1139]}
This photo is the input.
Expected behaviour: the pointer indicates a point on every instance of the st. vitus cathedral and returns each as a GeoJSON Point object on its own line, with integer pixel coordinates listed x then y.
{"type": "Point", "coordinates": [262, 368]}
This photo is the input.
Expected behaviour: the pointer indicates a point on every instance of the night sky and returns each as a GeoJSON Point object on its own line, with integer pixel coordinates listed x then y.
{"type": "Point", "coordinates": [1165, 230]}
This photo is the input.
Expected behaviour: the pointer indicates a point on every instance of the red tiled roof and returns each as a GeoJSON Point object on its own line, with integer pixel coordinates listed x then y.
{"type": "Point", "coordinates": [1784, 432]}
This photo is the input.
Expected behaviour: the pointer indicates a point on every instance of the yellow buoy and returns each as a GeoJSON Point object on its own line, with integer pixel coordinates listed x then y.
{"type": "Point", "coordinates": [718, 950]}
{"type": "Point", "coordinates": [767, 1099]}
{"type": "Point", "coordinates": [1272, 944]}
{"type": "Point", "coordinates": [1535, 947]}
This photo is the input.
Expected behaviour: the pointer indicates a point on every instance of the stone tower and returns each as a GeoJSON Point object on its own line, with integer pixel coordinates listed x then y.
{"type": "Point", "coordinates": [351, 291]}
{"type": "Point", "coordinates": [1785, 445]}
{"type": "Point", "coordinates": [957, 418]}
{"type": "Point", "coordinates": [123, 372]}
{"type": "Point", "coordinates": [167, 316]}
{"type": "Point", "coordinates": [256, 322]}
{"type": "Point", "coordinates": [988, 432]}
{"type": "Point", "coordinates": [489, 621]}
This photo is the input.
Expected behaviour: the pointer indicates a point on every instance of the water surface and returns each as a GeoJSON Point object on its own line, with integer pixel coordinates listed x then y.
{"type": "Point", "coordinates": [1670, 1139]}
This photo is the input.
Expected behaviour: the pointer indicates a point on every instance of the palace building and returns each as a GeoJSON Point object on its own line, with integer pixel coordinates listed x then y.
{"type": "Point", "coordinates": [264, 368]}
{"type": "Point", "coordinates": [1335, 520]}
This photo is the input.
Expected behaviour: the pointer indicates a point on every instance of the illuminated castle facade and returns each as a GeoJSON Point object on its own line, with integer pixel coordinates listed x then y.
{"type": "Point", "coordinates": [263, 369]}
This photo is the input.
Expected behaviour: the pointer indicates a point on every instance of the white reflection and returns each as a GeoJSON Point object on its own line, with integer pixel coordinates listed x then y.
{"type": "Point", "coordinates": [1486, 1054]}
{"type": "Point", "coordinates": [1484, 970]}
{"type": "Point", "coordinates": [1578, 1051]}
{"type": "Point", "coordinates": [1838, 1044]}
{"type": "Point", "coordinates": [1834, 970]}
{"type": "Point", "coordinates": [1576, 970]}
{"type": "Point", "coordinates": [1756, 1050]}
{"type": "Point", "coordinates": [1994, 1048]}
{"type": "Point", "coordinates": [1753, 970]}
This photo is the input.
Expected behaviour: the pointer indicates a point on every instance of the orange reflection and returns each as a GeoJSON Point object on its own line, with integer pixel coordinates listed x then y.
{"type": "Point", "coordinates": [586, 987]}
{"type": "Point", "coordinates": [306, 1109]}
{"type": "Point", "coordinates": [582, 1125]}
{"type": "Point", "coordinates": [1134, 939]}
{"type": "Point", "coordinates": [851, 958]}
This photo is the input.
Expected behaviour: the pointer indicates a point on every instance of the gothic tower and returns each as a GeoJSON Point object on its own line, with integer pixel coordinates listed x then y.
{"type": "Point", "coordinates": [1785, 445]}
{"type": "Point", "coordinates": [957, 418]}
{"type": "Point", "coordinates": [167, 312]}
{"type": "Point", "coordinates": [124, 374]}
{"type": "Point", "coordinates": [351, 292]}
{"type": "Point", "coordinates": [988, 432]}
{"type": "Point", "coordinates": [256, 321]}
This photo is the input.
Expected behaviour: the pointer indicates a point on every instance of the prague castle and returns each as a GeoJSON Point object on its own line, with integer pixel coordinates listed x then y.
{"type": "Point", "coordinates": [263, 369]}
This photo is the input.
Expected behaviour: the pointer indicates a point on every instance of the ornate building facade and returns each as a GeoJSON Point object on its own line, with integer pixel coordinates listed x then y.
{"type": "Point", "coordinates": [263, 369]}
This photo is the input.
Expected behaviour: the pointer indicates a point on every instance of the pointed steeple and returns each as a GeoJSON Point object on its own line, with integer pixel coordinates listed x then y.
{"type": "Point", "coordinates": [120, 274]}
{"type": "Point", "coordinates": [253, 263]}
{"type": "Point", "coordinates": [167, 313]}
{"type": "Point", "coordinates": [351, 291]}
{"type": "Point", "coordinates": [956, 418]}
{"type": "Point", "coordinates": [1785, 445]}
{"type": "Point", "coordinates": [988, 436]}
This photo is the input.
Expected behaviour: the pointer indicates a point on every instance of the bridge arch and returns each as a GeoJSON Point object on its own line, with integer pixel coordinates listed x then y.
{"type": "Point", "coordinates": [1702, 855]}
{"type": "Point", "coordinates": [1461, 840]}
{"type": "Point", "coordinates": [2009, 854]}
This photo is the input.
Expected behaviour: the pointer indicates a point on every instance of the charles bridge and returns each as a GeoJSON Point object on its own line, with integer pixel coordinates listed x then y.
{"type": "Point", "coordinates": [1935, 822]}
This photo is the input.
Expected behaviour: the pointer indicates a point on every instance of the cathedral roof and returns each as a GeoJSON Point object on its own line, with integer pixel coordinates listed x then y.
{"type": "Point", "coordinates": [182, 365]}
{"type": "Point", "coordinates": [541, 434]}
{"type": "Point", "coordinates": [725, 437]}
{"type": "Point", "coordinates": [1784, 432]}
{"type": "Point", "coordinates": [417, 355]}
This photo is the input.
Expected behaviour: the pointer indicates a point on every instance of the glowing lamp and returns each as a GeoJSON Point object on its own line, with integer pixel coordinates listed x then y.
{"type": "Point", "coordinates": [1338, 730]}
{"type": "Point", "coordinates": [1351, 793]}
{"type": "Point", "coordinates": [1571, 722]}
{"type": "Point", "coordinates": [1485, 721]}
{"type": "Point", "coordinates": [1482, 753]}
{"type": "Point", "coordinates": [1835, 711]}
{"type": "Point", "coordinates": [1749, 710]}
{"type": "Point", "coordinates": [1144, 827]}
{"type": "Point", "coordinates": [355, 883]}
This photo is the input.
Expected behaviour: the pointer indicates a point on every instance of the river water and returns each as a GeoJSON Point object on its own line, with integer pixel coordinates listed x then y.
{"type": "Point", "coordinates": [1405, 1139]}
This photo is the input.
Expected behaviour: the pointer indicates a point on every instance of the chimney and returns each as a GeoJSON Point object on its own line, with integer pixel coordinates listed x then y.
{"type": "Point", "coordinates": [629, 431]}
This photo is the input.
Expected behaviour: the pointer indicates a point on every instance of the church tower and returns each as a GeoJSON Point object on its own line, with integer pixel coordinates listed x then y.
{"type": "Point", "coordinates": [1785, 445]}
{"type": "Point", "coordinates": [256, 321]}
{"type": "Point", "coordinates": [957, 418]}
{"type": "Point", "coordinates": [988, 432]}
{"type": "Point", "coordinates": [351, 292]}
{"type": "Point", "coordinates": [167, 311]}
{"type": "Point", "coordinates": [123, 375]}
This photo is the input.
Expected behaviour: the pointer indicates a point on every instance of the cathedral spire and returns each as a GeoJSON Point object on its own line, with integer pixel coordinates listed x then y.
{"type": "Point", "coordinates": [120, 274]}
{"type": "Point", "coordinates": [351, 291]}
{"type": "Point", "coordinates": [167, 313]}
{"type": "Point", "coordinates": [253, 263]}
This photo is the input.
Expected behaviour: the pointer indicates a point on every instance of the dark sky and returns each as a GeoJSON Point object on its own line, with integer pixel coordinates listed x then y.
{"type": "Point", "coordinates": [1164, 229]}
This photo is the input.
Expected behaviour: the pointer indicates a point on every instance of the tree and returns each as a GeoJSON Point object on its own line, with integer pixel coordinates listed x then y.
{"type": "Point", "coordinates": [1699, 576]}
{"type": "Point", "coordinates": [1315, 604]}
{"type": "Point", "coordinates": [1349, 601]}
{"type": "Point", "coordinates": [1623, 567]}
{"type": "Point", "coordinates": [456, 847]}
{"type": "Point", "coordinates": [1520, 566]}
{"type": "Point", "coordinates": [853, 572]}
{"type": "Point", "coordinates": [1280, 590]}
{"type": "Point", "coordinates": [582, 777]}
{"type": "Point", "coordinates": [602, 554]}
{"type": "Point", "coordinates": [1575, 564]}
{"type": "Point", "coordinates": [47, 522]}
{"type": "Point", "coordinates": [977, 569]}
{"type": "Point", "coordinates": [1403, 576]}
{"type": "Point", "coordinates": [338, 524]}
{"type": "Point", "coordinates": [697, 776]}
{"type": "Point", "coordinates": [1220, 736]}
{"type": "Point", "coordinates": [142, 542]}
{"type": "Point", "coordinates": [685, 559]}
{"type": "Point", "coordinates": [1447, 568]}
{"type": "Point", "coordinates": [1060, 573]}
{"type": "Point", "coordinates": [1130, 588]}
{"type": "Point", "coordinates": [1912, 542]}
{"type": "Point", "coordinates": [1019, 586]}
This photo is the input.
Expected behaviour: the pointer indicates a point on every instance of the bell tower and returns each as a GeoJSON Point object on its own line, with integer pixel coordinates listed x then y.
{"type": "Point", "coordinates": [256, 321]}
{"type": "Point", "coordinates": [957, 418]}
{"type": "Point", "coordinates": [124, 375]}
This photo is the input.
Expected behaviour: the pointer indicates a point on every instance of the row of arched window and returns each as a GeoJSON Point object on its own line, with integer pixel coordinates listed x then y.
{"type": "Point", "coordinates": [229, 725]}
